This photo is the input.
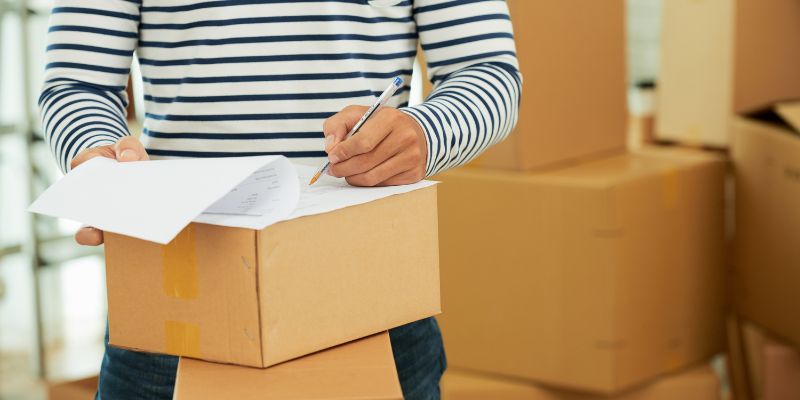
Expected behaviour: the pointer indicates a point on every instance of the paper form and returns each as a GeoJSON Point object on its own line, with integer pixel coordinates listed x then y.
{"type": "Point", "coordinates": [155, 200]}
{"type": "Point", "coordinates": [330, 193]}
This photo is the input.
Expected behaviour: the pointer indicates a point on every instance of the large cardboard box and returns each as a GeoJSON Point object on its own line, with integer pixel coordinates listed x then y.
{"type": "Point", "coordinates": [721, 57]}
{"type": "Point", "coordinates": [766, 156]}
{"type": "Point", "coordinates": [258, 298]}
{"type": "Point", "coordinates": [595, 277]}
{"type": "Point", "coordinates": [698, 383]}
{"type": "Point", "coordinates": [81, 389]}
{"type": "Point", "coordinates": [572, 58]}
{"type": "Point", "coordinates": [360, 370]}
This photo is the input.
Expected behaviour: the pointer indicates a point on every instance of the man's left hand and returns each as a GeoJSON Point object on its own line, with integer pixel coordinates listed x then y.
{"type": "Point", "coordinates": [389, 149]}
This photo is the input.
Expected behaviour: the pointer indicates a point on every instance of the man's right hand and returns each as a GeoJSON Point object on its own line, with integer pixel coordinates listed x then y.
{"type": "Point", "coordinates": [126, 149]}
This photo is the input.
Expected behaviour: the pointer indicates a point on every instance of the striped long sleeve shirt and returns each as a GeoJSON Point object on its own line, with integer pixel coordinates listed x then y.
{"type": "Point", "coordinates": [251, 77]}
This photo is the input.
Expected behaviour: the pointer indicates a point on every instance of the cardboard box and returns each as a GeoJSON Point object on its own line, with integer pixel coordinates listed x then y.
{"type": "Point", "coordinates": [772, 368]}
{"type": "Point", "coordinates": [81, 389]}
{"type": "Point", "coordinates": [766, 156]}
{"type": "Point", "coordinates": [360, 370]}
{"type": "Point", "coordinates": [698, 383]}
{"type": "Point", "coordinates": [720, 58]}
{"type": "Point", "coordinates": [595, 277]}
{"type": "Point", "coordinates": [258, 298]}
{"type": "Point", "coordinates": [572, 58]}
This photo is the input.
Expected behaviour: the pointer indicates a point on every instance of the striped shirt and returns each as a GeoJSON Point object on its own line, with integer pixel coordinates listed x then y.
{"type": "Point", "coordinates": [250, 77]}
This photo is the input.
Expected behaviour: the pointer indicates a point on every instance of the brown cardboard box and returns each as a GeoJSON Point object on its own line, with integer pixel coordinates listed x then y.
{"type": "Point", "coordinates": [766, 158]}
{"type": "Point", "coordinates": [594, 277]}
{"type": "Point", "coordinates": [698, 383]}
{"type": "Point", "coordinates": [772, 368]}
{"type": "Point", "coordinates": [360, 370]}
{"type": "Point", "coordinates": [720, 57]}
{"type": "Point", "coordinates": [258, 298]}
{"type": "Point", "coordinates": [572, 58]}
{"type": "Point", "coordinates": [82, 389]}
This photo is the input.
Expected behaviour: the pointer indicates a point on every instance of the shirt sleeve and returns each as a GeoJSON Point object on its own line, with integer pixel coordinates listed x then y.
{"type": "Point", "coordinates": [471, 60]}
{"type": "Point", "coordinates": [90, 45]}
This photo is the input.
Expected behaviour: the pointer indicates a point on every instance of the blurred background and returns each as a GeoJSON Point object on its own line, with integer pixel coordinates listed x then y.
{"type": "Point", "coordinates": [52, 292]}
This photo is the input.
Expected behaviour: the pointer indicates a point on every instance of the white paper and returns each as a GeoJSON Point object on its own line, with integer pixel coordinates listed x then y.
{"type": "Point", "coordinates": [155, 200]}
{"type": "Point", "coordinates": [330, 193]}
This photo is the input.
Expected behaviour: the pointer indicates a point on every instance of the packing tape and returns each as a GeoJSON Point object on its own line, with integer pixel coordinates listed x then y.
{"type": "Point", "coordinates": [182, 338]}
{"type": "Point", "coordinates": [675, 361]}
{"type": "Point", "coordinates": [179, 259]}
{"type": "Point", "coordinates": [670, 188]}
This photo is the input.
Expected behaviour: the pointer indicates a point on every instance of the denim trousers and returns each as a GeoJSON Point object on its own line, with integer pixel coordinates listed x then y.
{"type": "Point", "coordinates": [417, 347]}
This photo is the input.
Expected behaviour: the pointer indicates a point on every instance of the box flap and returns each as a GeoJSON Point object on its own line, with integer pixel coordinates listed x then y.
{"type": "Point", "coordinates": [363, 369]}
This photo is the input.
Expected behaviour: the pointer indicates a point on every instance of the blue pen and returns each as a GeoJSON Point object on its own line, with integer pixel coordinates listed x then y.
{"type": "Point", "coordinates": [397, 82]}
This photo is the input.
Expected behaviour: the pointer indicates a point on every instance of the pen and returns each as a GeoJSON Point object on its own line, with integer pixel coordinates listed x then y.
{"type": "Point", "coordinates": [397, 82]}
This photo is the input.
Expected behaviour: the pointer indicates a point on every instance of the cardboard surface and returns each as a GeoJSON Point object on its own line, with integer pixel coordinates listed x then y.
{"type": "Point", "coordinates": [362, 370]}
{"type": "Point", "coordinates": [735, 362]}
{"type": "Point", "coordinates": [595, 277]}
{"type": "Point", "coordinates": [698, 383]}
{"type": "Point", "coordinates": [772, 367]}
{"type": "Point", "coordinates": [572, 58]}
{"type": "Point", "coordinates": [82, 389]}
{"type": "Point", "coordinates": [721, 57]}
{"type": "Point", "coordinates": [766, 276]}
{"type": "Point", "coordinates": [259, 298]}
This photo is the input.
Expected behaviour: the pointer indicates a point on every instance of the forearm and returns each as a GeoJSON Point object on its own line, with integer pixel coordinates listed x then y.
{"type": "Point", "coordinates": [477, 84]}
{"type": "Point", "coordinates": [89, 52]}
{"type": "Point", "coordinates": [76, 117]}
{"type": "Point", "coordinates": [471, 110]}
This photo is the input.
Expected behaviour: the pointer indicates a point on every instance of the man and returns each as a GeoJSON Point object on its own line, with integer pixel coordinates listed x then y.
{"type": "Point", "coordinates": [246, 77]}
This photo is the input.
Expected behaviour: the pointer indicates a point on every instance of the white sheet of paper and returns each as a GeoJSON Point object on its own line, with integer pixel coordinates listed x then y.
{"type": "Point", "coordinates": [330, 193]}
{"type": "Point", "coordinates": [154, 200]}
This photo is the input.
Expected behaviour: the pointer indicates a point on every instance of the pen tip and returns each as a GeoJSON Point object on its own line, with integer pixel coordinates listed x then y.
{"type": "Point", "coordinates": [314, 178]}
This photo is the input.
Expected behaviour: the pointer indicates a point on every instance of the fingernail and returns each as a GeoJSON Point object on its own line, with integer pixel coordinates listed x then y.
{"type": "Point", "coordinates": [127, 155]}
{"type": "Point", "coordinates": [333, 158]}
{"type": "Point", "coordinates": [328, 142]}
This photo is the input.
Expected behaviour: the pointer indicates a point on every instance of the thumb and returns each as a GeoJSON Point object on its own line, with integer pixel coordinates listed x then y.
{"type": "Point", "coordinates": [130, 149]}
{"type": "Point", "coordinates": [336, 127]}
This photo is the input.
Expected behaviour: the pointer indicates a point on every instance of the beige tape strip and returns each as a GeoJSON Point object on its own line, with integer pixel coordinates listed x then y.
{"type": "Point", "coordinates": [180, 266]}
{"type": "Point", "coordinates": [670, 189]}
{"type": "Point", "coordinates": [182, 338]}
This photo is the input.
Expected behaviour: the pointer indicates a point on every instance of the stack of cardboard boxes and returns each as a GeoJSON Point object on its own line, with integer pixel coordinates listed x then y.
{"type": "Point", "coordinates": [256, 314]}
{"type": "Point", "coordinates": [730, 78]}
{"type": "Point", "coordinates": [571, 268]}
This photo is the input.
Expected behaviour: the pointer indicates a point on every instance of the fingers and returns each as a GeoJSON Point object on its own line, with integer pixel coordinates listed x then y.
{"type": "Point", "coordinates": [386, 170]}
{"type": "Point", "coordinates": [88, 154]}
{"type": "Point", "coordinates": [336, 127]}
{"type": "Point", "coordinates": [404, 178]}
{"type": "Point", "coordinates": [130, 149]}
{"type": "Point", "coordinates": [367, 139]}
{"type": "Point", "coordinates": [390, 146]}
{"type": "Point", "coordinates": [89, 236]}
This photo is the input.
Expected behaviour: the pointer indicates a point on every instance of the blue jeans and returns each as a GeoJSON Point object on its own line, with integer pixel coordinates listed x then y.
{"type": "Point", "coordinates": [418, 354]}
